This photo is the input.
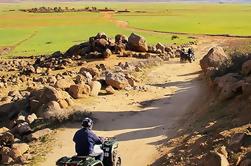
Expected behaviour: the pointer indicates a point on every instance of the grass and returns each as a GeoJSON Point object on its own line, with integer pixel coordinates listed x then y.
{"type": "Point", "coordinates": [232, 19]}
{"type": "Point", "coordinates": [37, 34]}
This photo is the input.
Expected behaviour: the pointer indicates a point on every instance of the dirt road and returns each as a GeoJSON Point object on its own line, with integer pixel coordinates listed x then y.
{"type": "Point", "coordinates": [141, 120]}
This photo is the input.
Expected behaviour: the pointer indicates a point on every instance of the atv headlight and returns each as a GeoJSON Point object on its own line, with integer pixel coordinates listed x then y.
{"type": "Point", "coordinates": [107, 149]}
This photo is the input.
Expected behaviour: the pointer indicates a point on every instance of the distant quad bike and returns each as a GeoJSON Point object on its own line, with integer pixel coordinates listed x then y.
{"type": "Point", "coordinates": [111, 157]}
{"type": "Point", "coordinates": [187, 56]}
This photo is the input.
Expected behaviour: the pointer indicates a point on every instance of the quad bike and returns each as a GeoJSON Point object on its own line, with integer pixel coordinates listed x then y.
{"type": "Point", "coordinates": [187, 57]}
{"type": "Point", "coordinates": [111, 157]}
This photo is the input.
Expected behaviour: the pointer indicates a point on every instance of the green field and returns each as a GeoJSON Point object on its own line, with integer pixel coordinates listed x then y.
{"type": "Point", "coordinates": [36, 34]}
{"type": "Point", "coordinates": [234, 19]}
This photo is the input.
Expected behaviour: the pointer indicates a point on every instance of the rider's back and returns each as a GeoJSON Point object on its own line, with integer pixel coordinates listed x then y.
{"type": "Point", "coordinates": [85, 140]}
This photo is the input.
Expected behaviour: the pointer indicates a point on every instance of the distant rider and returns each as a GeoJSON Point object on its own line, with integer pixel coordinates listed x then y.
{"type": "Point", "coordinates": [191, 53]}
{"type": "Point", "coordinates": [86, 142]}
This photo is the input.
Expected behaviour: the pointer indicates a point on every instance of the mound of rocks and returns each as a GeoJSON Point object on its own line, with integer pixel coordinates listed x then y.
{"type": "Point", "coordinates": [13, 142]}
{"type": "Point", "coordinates": [102, 46]}
{"type": "Point", "coordinates": [49, 102]}
{"type": "Point", "coordinates": [228, 85]}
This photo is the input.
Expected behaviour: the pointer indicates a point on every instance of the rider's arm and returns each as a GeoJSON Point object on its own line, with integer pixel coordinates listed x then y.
{"type": "Point", "coordinates": [97, 140]}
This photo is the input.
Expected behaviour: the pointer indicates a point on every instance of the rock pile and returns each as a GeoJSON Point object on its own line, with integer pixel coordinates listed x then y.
{"type": "Point", "coordinates": [222, 143]}
{"type": "Point", "coordinates": [13, 142]}
{"type": "Point", "coordinates": [230, 84]}
{"type": "Point", "coordinates": [102, 46]}
{"type": "Point", "coordinates": [229, 147]}
{"type": "Point", "coordinates": [66, 9]}
{"type": "Point", "coordinates": [13, 65]}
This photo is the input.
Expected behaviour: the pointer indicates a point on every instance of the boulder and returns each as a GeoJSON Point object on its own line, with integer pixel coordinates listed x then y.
{"type": "Point", "coordinates": [215, 159]}
{"type": "Point", "coordinates": [107, 53]}
{"type": "Point", "coordinates": [137, 43]}
{"type": "Point", "coordinates": [121, 39]}
{"type": "Point", "coordinates": [246, 68]}
{"type": "Point", "coordinates": [238, 140]}
{"type": "Point", "coordinates": [160, 47]}
{"type": "Point", "coordinates": [52, 80]}
{"type": "Point", "coordinates": [117, 80]}
{"type": "Point", "coordinates": [214, 58]}
{"type": "Point", "coordinates": [95, 88]}
{"type": "Point", "coordinates": [63, 103]}
{"type": "Point", "coordinates": [7, 99]}
{"type": "Point", "coordinates": [246, 160]}
{"type": "Point", "coordinates": [19, 149]}
{"type": "Point", "coordinates": [31, 118]}
{"type": "Point", "coordinates": [6, 159]}
{"type": "Point", "coordinates": [39, 70]}
{"type": "Point", "coordinates": [74, 50]}
{"type": "Point", "coordinates": [101, 35]}
{"type": "Point", "coordinates": [231, 90]}
{"type": "Point", "coordinates": [246, 89]}
{"type": "Point", "coordinates": [52, 109]}
{"type": "Point", "coordinates": [64, 83]}
{"type": "Point", "coordinates": [20, 118]}
{"type": "Point", "coordinates": [48, 94]}
{"type": "Point", "coordinates": [21, 129]}
{"type": "Point", "coordinates": [3, 130]}
{"type": "Point", "coordinates": [81, 79]}
{"type": "Point", "coordinates": [109, 90]}
{"type": "Point", "coordinates": [6, 138]}
{"type": "Point", "coordinates": [130, 79]}
{"type": "Point", "coordinates": [120, 49]}
{"type": "Point", "coordinates": [15, 93]}
{"type": "Point", "coordinates": [223, 150]}
{"type": "Point", "coordinates": [38, 134]}
{"type": "Point", "coordinates": [228, 85]}
{"type": "Point", "coordinates": [5, 150]}
{"type": "Point", "coordinates": [79, 91]}
{"type": "Point", "coordinates": [225, 79]}
{"type": "Point", "coordinates": [92, 70]}
{"type": "Point", "coordinates": [210, 72]}
{"type": "Point", "coordinates": [101, 44]}
{"type": "Point", "coordinates": [34, 105]}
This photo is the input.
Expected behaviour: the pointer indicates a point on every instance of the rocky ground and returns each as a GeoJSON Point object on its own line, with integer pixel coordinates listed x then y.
{"type": "Point", "coordinates": [219, 132]}
{"type": "Point", "coordinates": [44, 90]}
{"type": "Point", "coordinates": [138, 93]}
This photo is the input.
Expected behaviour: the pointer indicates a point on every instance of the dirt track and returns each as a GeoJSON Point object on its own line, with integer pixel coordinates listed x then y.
{"type": "Point", "coordinates": [141, 120]}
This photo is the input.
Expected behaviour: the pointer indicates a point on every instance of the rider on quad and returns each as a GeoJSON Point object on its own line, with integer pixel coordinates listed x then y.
{"type": "Point", "coordinates": [86, 142]}
{"type": "Point", "coordinates": [191, 54]}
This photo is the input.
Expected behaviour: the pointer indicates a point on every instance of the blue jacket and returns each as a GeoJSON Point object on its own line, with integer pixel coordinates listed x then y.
{"type": "Point", "coordinates": [85, 140]}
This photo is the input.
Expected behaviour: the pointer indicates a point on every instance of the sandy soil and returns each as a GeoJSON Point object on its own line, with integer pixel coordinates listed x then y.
{"type": "Point", "coordinates": [141, 121]}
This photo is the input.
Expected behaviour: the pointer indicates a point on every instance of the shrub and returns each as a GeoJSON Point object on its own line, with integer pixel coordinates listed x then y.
{"type": "Point", "coordinates": [174, 37]}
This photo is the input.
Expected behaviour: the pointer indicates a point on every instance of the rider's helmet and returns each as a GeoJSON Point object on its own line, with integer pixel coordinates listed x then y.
{"type": "Point", "coordinates": [87, 123]}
